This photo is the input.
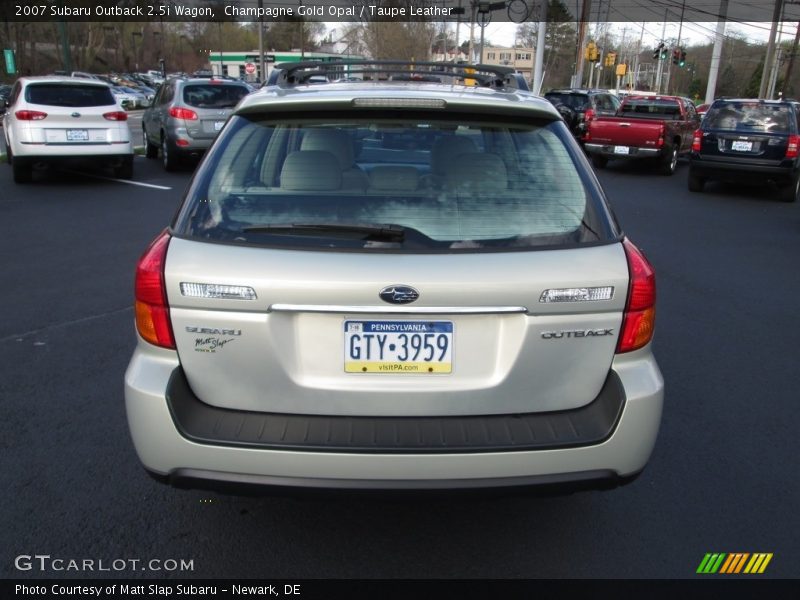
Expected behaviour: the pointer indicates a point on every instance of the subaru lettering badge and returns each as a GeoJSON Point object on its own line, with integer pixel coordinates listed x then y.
{"type": "Point", "coordinates": [398, 294]}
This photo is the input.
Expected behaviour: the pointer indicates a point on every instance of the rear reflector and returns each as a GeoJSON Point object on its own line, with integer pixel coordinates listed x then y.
{"type": "Point", "coordinates": [793, 146]}
{"type": "Point", "coordinates": [638, 320]}
{"type": "Point", "coordinates": [590, 294]}
{"type": "Point", "coordinates": [152, 309]}
{"type": "Point", "coordinates": [30, 115]}
{"type": "Point", "coordinates": [116, 116]}
{"type": "Point", "coordinates": [222, 292]}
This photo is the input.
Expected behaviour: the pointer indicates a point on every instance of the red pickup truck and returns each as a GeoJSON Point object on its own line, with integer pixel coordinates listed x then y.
{"type": "Point", "coordinates": [655, 127]}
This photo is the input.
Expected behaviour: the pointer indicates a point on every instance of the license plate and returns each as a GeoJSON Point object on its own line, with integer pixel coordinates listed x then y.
{"type": "Point", "coordinates": [621, 150]}
{"type": "Point", "coordinates": [77, 135]}
{"type": "Point", "coordinates": [218, 125]}
{"type": "Point", "coordinates": [403, 347]}
{"type": "Point", "coordinates": [741, 146]}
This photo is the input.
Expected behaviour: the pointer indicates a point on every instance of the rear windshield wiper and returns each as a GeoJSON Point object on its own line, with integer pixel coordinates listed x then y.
{"type": "Point", "coordinates": [383, 233]}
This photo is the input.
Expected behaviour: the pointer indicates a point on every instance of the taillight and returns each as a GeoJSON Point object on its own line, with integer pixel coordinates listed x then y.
{"type": "Point", "coordinates": [182, 113]}
{"type": "Point", "coordinates": [793, 146]}
{"type": "Point", "coordinates": [697, 141]}
{"type": "Point", "coordinates": [660, 142]}
{"type": "Point", "coordinates": [638, 320]}
{"type": "Point", "coordinates": [589, 115]}
{"type": "Point", "coordinates": [30, 115]}
{"type": "Point", "coordinates": [117, 115]}
{"type": "Point", "coordinates": [152, 309]}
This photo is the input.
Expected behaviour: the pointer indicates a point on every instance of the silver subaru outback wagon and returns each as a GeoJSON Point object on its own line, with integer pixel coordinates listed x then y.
{"type": "Point", "coordinates": [394, 285]}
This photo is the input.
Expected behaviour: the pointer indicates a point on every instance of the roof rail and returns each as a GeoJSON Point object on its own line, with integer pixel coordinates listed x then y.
{"type": "Point", "coordinates": [297, 73]}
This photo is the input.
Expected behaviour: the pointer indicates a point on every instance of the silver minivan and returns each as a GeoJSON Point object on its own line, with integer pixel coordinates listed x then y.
{"type": "Point", "coordinates": [394, 285]}
{"type": "Point", "coordinates": [186, 115]}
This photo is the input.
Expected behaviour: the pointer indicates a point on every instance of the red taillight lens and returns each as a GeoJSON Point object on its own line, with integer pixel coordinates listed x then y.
{"type": "Point", "coordinates": [182, 113]}
{"type": "Point", "coordinates": [589, 115]}
{"type": "Point", "coordinates": [660, 142]}
{"type": "Point", "coordinates": [152, 309]}
{"type": "Point", "coordinates": [182, 143]}
{"type": "Point", "coordinates": [30, 115]}
{"type": "Point", "coordinates": [697, 141]}
{"type": "Point", "coordinates": [793, 146]}
{"type": "Point", "coordinates": [116, 116]}
{"type": "Point", "coordinates": [638, 320]}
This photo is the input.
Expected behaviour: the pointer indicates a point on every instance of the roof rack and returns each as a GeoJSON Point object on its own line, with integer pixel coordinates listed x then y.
{"type": "Point", "coordinates": [297, 73]}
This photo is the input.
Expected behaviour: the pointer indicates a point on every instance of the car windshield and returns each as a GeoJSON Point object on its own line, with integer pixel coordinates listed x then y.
{"type": "Point", "coordinates": [411, 184]}
{"type": "Point", "coordinates": [651, 108]}
{"type": "Point", "coordinates": [213, 95]}
{"type": "Point", "coordinates": [55, 94]}
{"type": "Point", "coordinates": [749, 116]}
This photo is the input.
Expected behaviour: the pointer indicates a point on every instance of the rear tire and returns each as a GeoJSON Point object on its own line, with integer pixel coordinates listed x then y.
{"type": "Point", "coordinates": [169, 157]}
{"type": "Point", "coordinates": [696, 183]}
{"type": "Point", "coordinates": [125, 170]}
{"type": "Point", "coordinates": [23, 171]}
{"type": "Point", "coordinates": [150, 150]}
{"type": "Point", "coordinates": [599, 162]}
{"type": "Point", "coordinates": [670, 163]}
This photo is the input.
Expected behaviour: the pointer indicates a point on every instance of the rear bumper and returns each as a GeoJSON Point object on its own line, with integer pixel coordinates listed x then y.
{"type": "Point", "coordinates": [607, 150]}
{"type": "Point", "coordinates": [172, 457]}
{"type": "Point", "coordinates": [739, 170]}
{"type": "Point", "coordinates": [54, 152]}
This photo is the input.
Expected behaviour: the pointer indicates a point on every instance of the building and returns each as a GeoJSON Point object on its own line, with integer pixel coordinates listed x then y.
{"type": "Point", "coordinates": [519, 58]}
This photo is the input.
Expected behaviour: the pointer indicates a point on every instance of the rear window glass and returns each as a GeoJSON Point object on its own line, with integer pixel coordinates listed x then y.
{"type": "Point", "coordinates": [749, 116]}
{"type": "Point", "coordinates": [213, 95]}
{"type": "Point", "coordinates": [575, 101]}
{"type": "Point", "coordinates": [53, 94]}
{"type": "Point", "coordinates": [649, 108]}
{"type": "Point", "coordinates": [412, 185]}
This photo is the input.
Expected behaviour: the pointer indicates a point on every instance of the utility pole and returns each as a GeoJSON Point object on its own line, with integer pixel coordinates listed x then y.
{"type": "Point", "coordinates": [774, 73]}
{"type": "Point", "coordinates": [680, 30]}
{"type": "Point", "coordinates": [661, 62]}
{"type": "Point", "coordinates": [587, 5]}
{"type": "Point", "coordinates": [716, 55]}
{"type": "Point", "coordinates": [262, 77]}
{"type": "Point", "coordinates": [790, 66]}
{"type": "Point", "coordinates": [538, 75]}
{"type": "Point", "coordinates": [776, 18]}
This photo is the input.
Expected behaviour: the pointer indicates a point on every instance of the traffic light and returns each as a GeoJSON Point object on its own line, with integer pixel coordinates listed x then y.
{"type": "Point", "coordinates": [611, 59]}
{"type": "Point", "coordinates": [592, 53]}
{"type": "Point", "coordinates": [682, 61]}
{"type": "Point", "coordinates": [676, 57]}
{"type": "Point", "coordinates": [657, 52]}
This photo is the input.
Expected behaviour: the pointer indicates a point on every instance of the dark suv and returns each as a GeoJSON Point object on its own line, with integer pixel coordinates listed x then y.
{"type": "Point", "coordinates": [746, 140]}
{"type": "Point", "coordinates": [579, 107]}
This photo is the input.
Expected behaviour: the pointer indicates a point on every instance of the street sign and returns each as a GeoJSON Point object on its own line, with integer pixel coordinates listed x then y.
{"type": "Point", "coordinates": [249, 68]}
{"type": "Point", "coordinates": [11, 65]}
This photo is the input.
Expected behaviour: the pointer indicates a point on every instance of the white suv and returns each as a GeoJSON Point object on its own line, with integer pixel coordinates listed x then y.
{"type": "Point", "coordinates": [398, 285]}
{"type": "Point", "coordinates": [54, 119]}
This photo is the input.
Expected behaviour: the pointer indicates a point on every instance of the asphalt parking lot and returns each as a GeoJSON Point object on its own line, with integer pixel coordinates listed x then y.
{"type": "Point", "coordinates": [721, 479]}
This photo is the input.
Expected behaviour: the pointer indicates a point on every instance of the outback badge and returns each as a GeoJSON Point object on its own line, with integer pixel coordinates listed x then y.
{"type": "Point", "coordinates": [398, 294]}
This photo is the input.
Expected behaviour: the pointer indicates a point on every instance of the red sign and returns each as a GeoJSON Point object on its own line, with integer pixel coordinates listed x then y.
{"type": "Point", "coordinates": [249, 68]}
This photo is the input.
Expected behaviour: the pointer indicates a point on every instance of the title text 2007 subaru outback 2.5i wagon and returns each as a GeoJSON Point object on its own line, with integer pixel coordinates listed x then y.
{"type": "Point", "coordinates": [396, 285]}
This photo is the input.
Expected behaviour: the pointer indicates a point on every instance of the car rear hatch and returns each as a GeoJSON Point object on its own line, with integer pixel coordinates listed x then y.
{"type": "Point", "coordinates": [621, 131]}
{"type": "Point", "coordinates": [210, 103]}
{"type": "Point", "coordinates": [746, 130]}
{"type": "Point", "coordinates": [73, 114]}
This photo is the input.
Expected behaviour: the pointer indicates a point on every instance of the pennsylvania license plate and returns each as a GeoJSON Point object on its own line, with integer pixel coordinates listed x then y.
{"type": "Point", "coordinates": [404, 347]}
{"type": "Point", "coordinates": [77, 135]}
{"type": "Point", "coordinates": [621, 150]}
{"type": "Point", "coordinates": [741, 146]}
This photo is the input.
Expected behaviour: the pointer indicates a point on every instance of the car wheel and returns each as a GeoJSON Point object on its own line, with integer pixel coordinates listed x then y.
{"type": "Point", "coordinates": [125, 170]}
{"type": "Point", "coordinates": [168, 155]}
{"type": "Point", "coordinates": [598, 161]}
{"type": "Point", "coordinates": [150, 150]}
{"type": "Point", "coordinates": [670, 162]}
{"type": "Point", "coordinates": [23, 171]}
{"type": "Point", "coordinates": [790, 192]}
{"type": "Point", "coordinates": [696, 183]}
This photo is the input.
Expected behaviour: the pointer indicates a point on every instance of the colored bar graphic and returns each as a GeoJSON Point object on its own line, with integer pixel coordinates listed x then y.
{"type": "Point", "coordinates": [733, 563]}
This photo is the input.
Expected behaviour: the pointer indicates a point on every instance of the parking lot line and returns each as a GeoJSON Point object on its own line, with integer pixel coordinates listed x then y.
{"type": "Point", "coordinates": [140, 183]}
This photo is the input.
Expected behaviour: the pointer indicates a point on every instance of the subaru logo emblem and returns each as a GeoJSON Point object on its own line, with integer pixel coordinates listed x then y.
{"type": "Point", "coordinates": [398, 294]}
